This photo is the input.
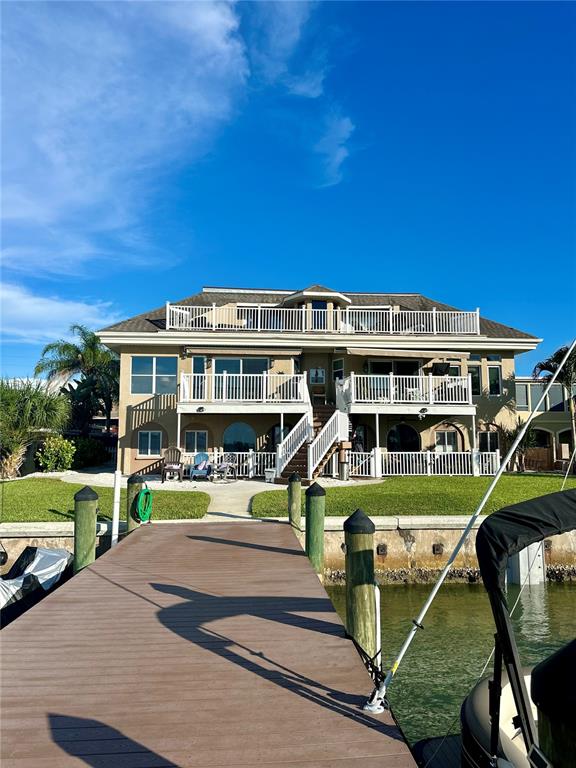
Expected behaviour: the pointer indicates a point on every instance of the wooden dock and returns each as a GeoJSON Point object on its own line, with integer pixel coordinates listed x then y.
{"type": "Point", "coordinates": [193, 644]}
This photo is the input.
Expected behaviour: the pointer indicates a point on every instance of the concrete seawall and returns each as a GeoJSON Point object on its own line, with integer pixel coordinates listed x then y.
{"type": "Point", "coordinates": [406, 548]}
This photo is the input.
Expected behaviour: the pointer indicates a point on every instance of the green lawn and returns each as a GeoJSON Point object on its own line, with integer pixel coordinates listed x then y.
{"type": "Point", "coordinates": [50, 500]}
{"type": "Point", "coordinates": [420, 495]}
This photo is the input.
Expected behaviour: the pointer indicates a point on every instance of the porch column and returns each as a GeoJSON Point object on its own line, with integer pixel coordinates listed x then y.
{"type": "Point", "coordinates": [179, 424]}
{"type": "Point", "coordinates": [474, 438]}
{"type": "Point", "coordinates": [474, 449]}
{"type": "Point", "coordinates": [281, 426]}
{"type": "Point", "coordinates": [377, 419]}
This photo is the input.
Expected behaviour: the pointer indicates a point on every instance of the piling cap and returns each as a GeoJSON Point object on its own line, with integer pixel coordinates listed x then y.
{"type": "Point", "coordinates": [315, 490]}
{"type": "Point", "coordinates": [359, 522]}
{"type": "Point", "coordinates": [86, 494]}
{"type": "Point", "coordinates": [136, 479]}
{"type": "Point", "coordinates": [294, 478]}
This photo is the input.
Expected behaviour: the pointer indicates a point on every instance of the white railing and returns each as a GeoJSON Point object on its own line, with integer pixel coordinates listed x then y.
{"type": "Point", "coordinates": [438, 463]}
{"type": "Point", "coordinates": [248, 463]}
{"type": "Point", "coordinates": [387, 320]}
{"type": "Point", "coordinates": [335, 429]}
{"type": "Point", "coordinates": [359, 463]}
{"type": "Point", "coordinates": [426, 390]}
{"type": "Point", "coordinates": [243, 388]}
{"type": "Point", "coordinates": [293, 441]}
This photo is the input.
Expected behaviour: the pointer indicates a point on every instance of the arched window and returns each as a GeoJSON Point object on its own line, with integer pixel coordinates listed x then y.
{"type": "Point", "coordinates": [239, 437]}
{"type": "Point", "coordinates": [403, 437]}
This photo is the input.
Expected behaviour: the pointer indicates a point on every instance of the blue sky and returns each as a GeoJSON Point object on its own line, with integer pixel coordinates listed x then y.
{"type": "Point", "coordinates": [152, 148]}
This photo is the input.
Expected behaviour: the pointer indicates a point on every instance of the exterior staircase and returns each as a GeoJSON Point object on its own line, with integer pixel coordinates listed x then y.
{"type": "Point", "coordinates": [299, 462]}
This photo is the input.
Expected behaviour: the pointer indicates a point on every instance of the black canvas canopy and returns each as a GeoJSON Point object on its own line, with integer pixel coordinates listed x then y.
{"type": "Point", "coordinates": [511, 529]}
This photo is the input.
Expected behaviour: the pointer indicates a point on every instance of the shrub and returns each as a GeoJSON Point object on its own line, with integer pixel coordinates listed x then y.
{"type": "Point", "coordinates": [89, 452]}
{"type": "Point", "coordinates": [57, 454]}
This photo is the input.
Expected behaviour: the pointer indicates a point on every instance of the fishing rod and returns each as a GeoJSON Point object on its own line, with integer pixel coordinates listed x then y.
{"type": "Point", "coordinates": [377, 703]}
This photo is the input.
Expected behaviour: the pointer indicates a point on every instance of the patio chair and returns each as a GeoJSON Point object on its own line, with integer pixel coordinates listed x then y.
{"type": "Point", "coordinates": [201, 467]}
{"type": "Point", "coordinates": [172, 463]}
{"type": "Point", "coordinates": [227, 467]}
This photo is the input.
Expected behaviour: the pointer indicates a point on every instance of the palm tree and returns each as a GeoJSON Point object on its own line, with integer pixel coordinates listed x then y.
{"type": "Point", "coordinates": [509, 435]}
{"type": "Point", "coordinates": [28, 409]}
{"type": "Point", "coordinates": [98, 367]}
{"type": "Point", "coordinates": [567, 377]}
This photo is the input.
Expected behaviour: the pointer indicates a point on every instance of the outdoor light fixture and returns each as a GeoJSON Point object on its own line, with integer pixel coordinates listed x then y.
{"type": "Point", "coordinates": [422, 413]}
{"type": "Point", "coordinates": [200, 409]}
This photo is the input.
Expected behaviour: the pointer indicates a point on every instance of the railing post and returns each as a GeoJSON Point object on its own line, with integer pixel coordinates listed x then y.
{"type": "Point", "coordinates": [213, 316]}
{"type": "Point", "coordinates": [168, 324]}
{"type": "Point", "coordinates": [360, 596]}
{"type": "Point", "coordinates": [304, 317]}
{"type": "Point", "coordinates": [264, 386]}
{"type": "Point", "coordinates": [430, 389]}
{"type": "Point", "coordinates": [225, 386]}
{"type": "Point", "coordinates": [391, 385]}
{"type": "Point", "coordinates": [475, 463]}
{"type": "Point", "coordinates": [315, 510]}
{"type": "Point", "coordinates": [434, 321]}
{"type": "Point", "coordinates": [259, 320]}
{"type": "Point", "coordinates": [470, 389]}
{"type": "Point", "coordinates": [133, 488]}
{"type": "Point", "coordinates": [428, 462]}
{"type": "Point", "coordinates": [295, 500]}
{"type": "Point", "coordinates": [85, 509]}
{"type": "Point", "coordinates": [478, 320]}
{"type": "Point", "coordinates": [251, 463]}
{"type": "Point", "coordinates": [352, 387]}
{"type": "Point", "coordinates": [116, 507]}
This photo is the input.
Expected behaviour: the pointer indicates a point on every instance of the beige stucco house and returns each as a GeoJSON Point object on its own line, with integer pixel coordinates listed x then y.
{"type": "Point", "coordinates": [282, 379]}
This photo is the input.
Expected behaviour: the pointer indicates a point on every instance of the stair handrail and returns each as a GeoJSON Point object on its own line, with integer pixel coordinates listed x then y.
{"type": "Point", "coordinates": [335, 429]}
{"type": "Point", "coordinates": [287, 449]}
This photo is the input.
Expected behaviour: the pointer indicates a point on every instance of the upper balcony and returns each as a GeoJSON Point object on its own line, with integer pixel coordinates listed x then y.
{"type": "Point", "coordinates": [385, 321]}
{"type": "Point", "coordinates": [243, 392]}
{"type": "Point", "coordinates": [406, 394]}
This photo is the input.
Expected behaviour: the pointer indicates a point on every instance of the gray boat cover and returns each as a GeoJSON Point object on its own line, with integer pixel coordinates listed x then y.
{"type": "Point", "coordinates": [506, 532]}
{"type": "Point", "coordinates": [36, 567]}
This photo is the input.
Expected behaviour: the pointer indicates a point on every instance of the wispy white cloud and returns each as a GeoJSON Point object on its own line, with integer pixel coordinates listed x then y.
{"type": "Point", "coordinates": [97, 98]}
{"type": "Point", "coordinates": [32, 319]}
{"type": "Point", "coordinates": [276, 31]}
{"type": "Point", "coordinates": [333, 147]}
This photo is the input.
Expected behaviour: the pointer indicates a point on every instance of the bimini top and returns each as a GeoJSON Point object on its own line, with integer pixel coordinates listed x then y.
{"type": "Point", "coordinates": [511, 529]}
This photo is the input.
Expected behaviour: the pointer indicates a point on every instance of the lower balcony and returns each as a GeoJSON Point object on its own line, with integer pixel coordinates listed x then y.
{"type": "Point", "coordinates": [405, 394]}
{"type": "Point", "coordinates": [239, 392]}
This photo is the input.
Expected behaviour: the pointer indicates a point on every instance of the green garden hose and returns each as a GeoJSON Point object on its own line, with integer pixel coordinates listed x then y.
{"type": "Point", "coordinates": [144, 505]}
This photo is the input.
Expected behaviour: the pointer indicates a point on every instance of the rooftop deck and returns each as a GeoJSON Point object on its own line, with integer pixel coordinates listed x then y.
{"type": "Point", "coordinates": [194, 644]}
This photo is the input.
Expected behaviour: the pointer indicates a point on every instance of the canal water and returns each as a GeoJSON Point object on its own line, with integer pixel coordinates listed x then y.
{"type": "Point", "coordinates": [446, 658]}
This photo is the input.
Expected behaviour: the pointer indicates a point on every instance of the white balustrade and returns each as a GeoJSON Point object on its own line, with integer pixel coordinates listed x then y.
{"type": "Point", "coordinates": [243, 387]}
{"type": "Point", "coordinates": [382, 320]}
{"type": "Point", "coordinates": [335, 429]}
{"type": "Point", "coordinates": [248, 463]}
{"type": "Point", "coordinates": [425, 390]}
{"type": "Point", "coordinates": [293, 441]}
{"type": "Point", "coordinates": [436, 463]}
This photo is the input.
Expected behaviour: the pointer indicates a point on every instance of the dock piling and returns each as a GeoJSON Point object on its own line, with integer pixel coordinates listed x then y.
{"type": "Point", "coordinates": [134, 486]}
{"type": "Point", "coordinates": [85, 511]}
{"type": "Point", "coordinates": [315, 511]}
{"type": "Point", "coordinates": [360, 593]}
{"type": "Point", "coordinates": [295, 500]}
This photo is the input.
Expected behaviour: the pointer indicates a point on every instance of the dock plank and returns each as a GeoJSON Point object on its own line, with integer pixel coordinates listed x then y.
{"type": "Point", "coordinates": [190, 645]}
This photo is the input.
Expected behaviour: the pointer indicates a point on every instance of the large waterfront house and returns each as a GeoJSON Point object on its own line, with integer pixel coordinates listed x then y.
{"type": "Point", "coordinates": [284, 380]}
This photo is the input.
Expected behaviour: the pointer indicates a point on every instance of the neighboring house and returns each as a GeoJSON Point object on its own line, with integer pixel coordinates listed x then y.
{"type": "Point", "coordinates": [552, 428]}
{"type": "Point", "coordinates": [281, 378]}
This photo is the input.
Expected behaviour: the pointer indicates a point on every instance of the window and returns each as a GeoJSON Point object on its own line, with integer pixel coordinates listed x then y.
{"type": "Point", "coordinates": [494, 358]}
{"type": "Point", "coordinates": [195, 441]}
{"type": "Point", "coordinates": [454, 370]}
{"type": "Point", "coordinates": [476, 358]}
{"type": "Point", "coordinates": [319, 313]}
{"type": "Point", "coordinates": [338, 370]}
{"type": "Point", "coordinates": [488, 442]}
{"type": "Point", "coordinates": [536, 392]}
{"type": "Point", "coordinates": [541, 438]}
{"type": "Point", "coordinates": [149, 443]}
{"type": "Point", "coordinates": [556, 398]}
{"type": "Point", "coordinates": [494, 380]}
{"type": "Point", "coordinates": [239, 437]}
{"type": "Point", "coordinates": [522, 397]}
{"type": "Point", "coordinates": [474, 371]}
{"type": "Point", "coordinates": [234, 365]}
{"type": "Point", "coordinates": [446, 441]}
{"type": "Point", "coordinates": [317, 376]}
{"type": "Point", "coordinates": [154, 375]}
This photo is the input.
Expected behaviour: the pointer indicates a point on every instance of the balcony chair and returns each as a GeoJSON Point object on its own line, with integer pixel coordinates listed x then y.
{"type": "Point", "coordinates": [201, 467]}
{"type": "Point", "coordinates": [172, 464]}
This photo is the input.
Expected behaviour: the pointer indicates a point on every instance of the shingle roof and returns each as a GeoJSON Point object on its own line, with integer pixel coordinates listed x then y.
{"type": "Point", "coordinates": [155, 319]}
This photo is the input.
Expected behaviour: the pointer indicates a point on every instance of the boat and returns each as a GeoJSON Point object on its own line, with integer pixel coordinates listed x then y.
{"type": "Point", "coordinates": [36, 572]}
{"type": "Point", "coordinates": [499, 719]}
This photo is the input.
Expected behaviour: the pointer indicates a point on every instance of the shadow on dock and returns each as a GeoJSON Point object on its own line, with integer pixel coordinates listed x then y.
{"type": "Point", "coordinates": [89, 740]}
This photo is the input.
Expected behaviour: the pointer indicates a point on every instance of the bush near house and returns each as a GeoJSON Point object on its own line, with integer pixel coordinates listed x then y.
{"type": "Point", "coordinates": [56, 454]}
{"type": "Point", "coordinates": [419, 496]}
{"type": "Point", "coordinates": [52, 500]}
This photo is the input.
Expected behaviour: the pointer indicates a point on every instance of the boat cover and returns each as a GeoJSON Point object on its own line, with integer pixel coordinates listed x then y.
{"type": "Point", "coordinates": [506, 532]}
{"type": "Point", "coordinates": [35, 567]}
